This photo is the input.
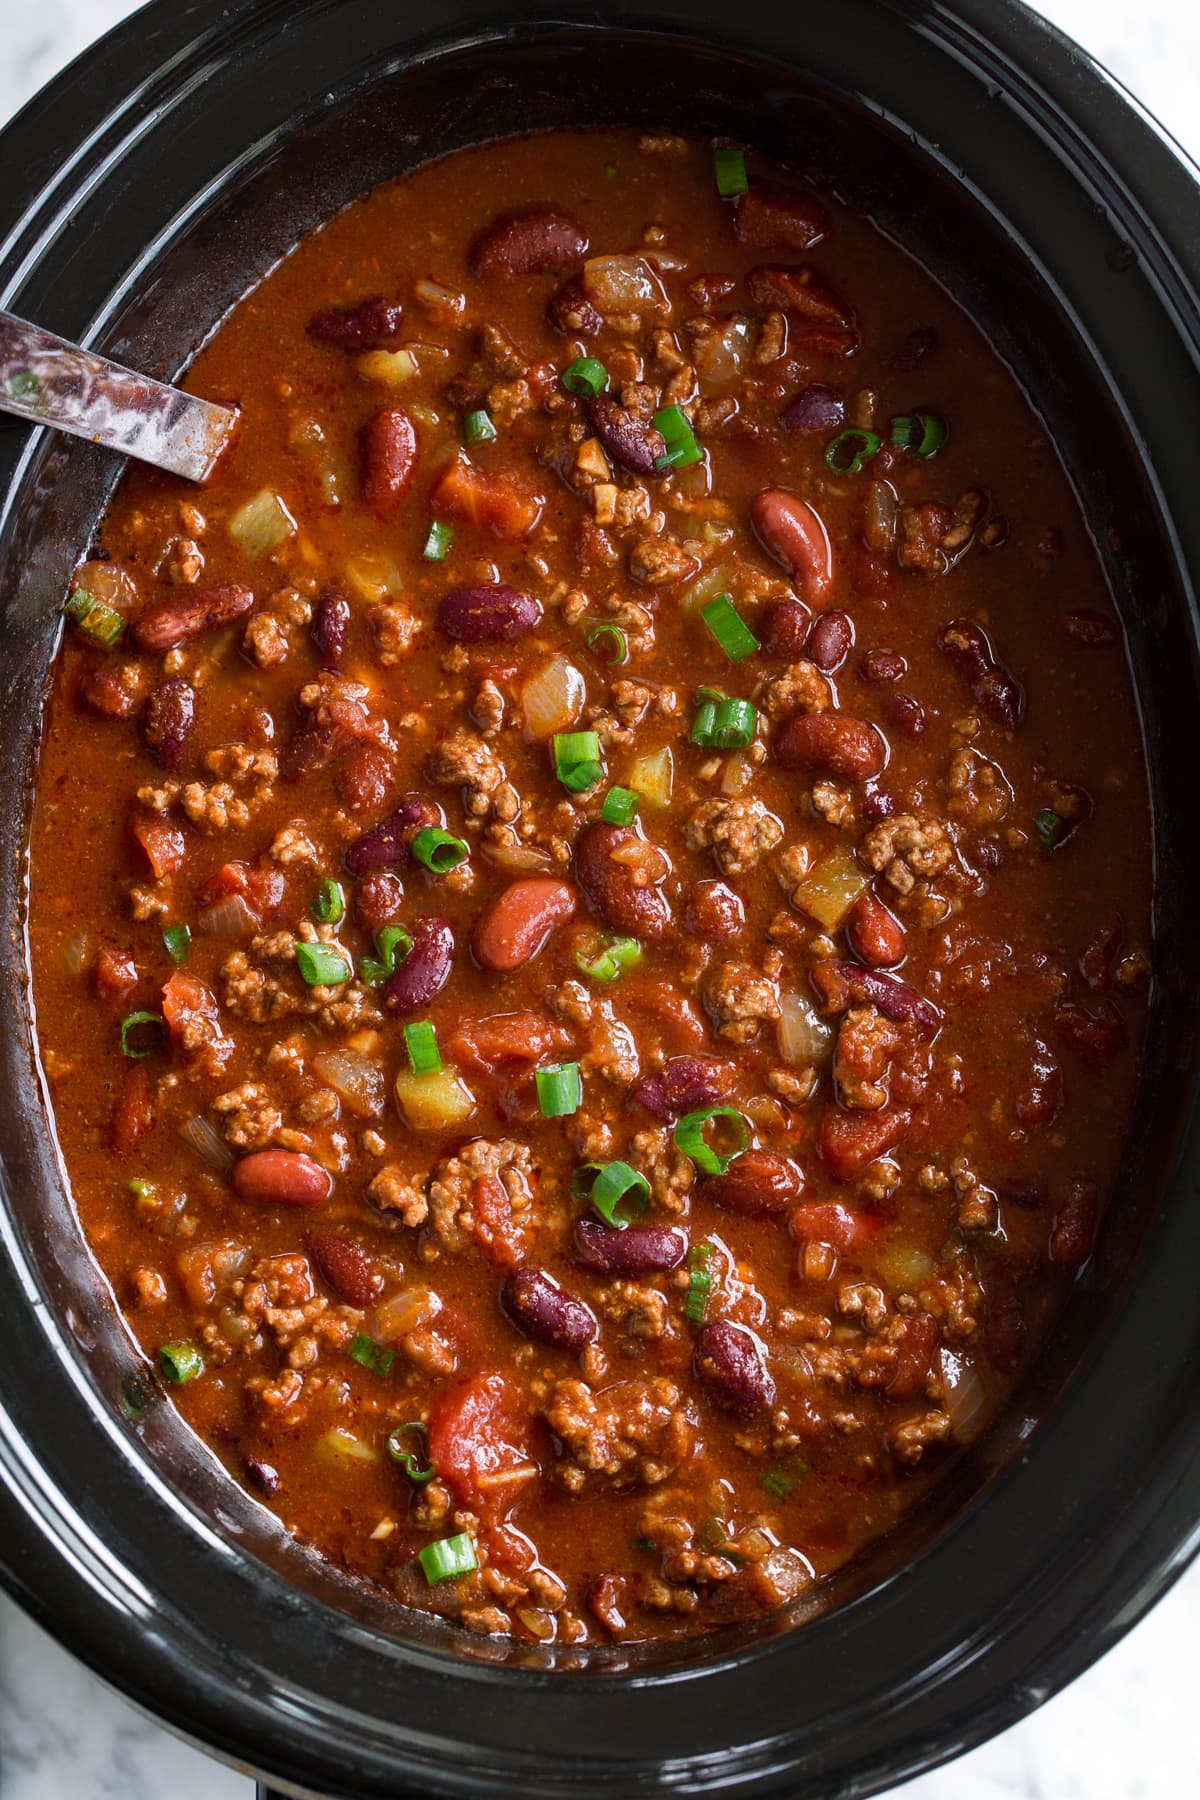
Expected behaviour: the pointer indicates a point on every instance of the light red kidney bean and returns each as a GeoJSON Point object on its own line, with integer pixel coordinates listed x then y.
{"type": "Point", "coordinates": [795, 535]}
{"type": "Point", "coordinates": [832, 743]}
{"type": "Point", "coordinates": [426, 968]}
{"type": "Point", "coordinates": [516, 925]}
{"type": "Point", "coordinates": [755, 1183]}
{"type": "Point", "coordinates": [367, 326]}
{"type": "Point", "coordinates": [682, 1085]}
{"type": "Point", "coordinates": [389, 459]}
{"type": "Point", "coordinates": [536, 1304]}
{"type": "Point", "coordinates": [169, 720]}
{"type": "Point", "coordinates": [874, 934]}
{"type": "Point", "coordinates": [634, 443]}
{"type": "Point", "coordinates": [330, 627]}
{"type": "Point", "coordinates": [830, 640]}
{"type": "Point", "coordinates": [345, 1265]}
{"type": "Point", "coordinates": [281, 1178]}
{"type": "Point", "coordinates": [731, 1362]}
{"type": "Point", "coordinates": [185, 615]}
{"type": "Point", "coordinates": [634, 1250]}
{"type": "Point", "coordinates": [713, 912]}
{"type": "Point", "coordinates": [487, 615]}
{"type": "Point", "coordinates": [527, 243]}
{"type": "Point", "coordinates": [611, 889]}
{"type": "Point", "coordinates": [783, 628]}
{"type": "Point", "coordinates": [388, 845]}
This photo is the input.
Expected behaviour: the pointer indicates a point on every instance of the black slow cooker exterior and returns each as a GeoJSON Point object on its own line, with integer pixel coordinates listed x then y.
{"type": "Point", "coordinates": [144, 190]}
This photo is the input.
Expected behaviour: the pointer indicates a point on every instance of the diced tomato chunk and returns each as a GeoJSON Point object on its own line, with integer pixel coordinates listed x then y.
{"type": "Point", "coordinates": [496, 503]}
{"type": "Point", "coordinates": [916, 1347]}
{"type": "Point", "coordinates": [164, 844]}
{"type": "Point", "coordinates": [520, 1037]}
{"type": "Point", "coordinates": [828, 1222]}
{"type": "Point", "coordinates": [133, 1114]}
{"type": "Point", "coordinates": [847, 1142]}
{"type": "Point", "coordinates": [479, 1445]}
{"type": "Point", "coordinates": [184, 1000]}
{"type": "Point", "coordinates": [261, 888]}
{"type": "Point", "coordinates": [495, 1231]}
{"type": "Point", "coordinates": [115, 975]}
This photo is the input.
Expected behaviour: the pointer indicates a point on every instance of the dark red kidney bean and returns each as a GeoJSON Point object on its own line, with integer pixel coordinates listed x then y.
{"type": "Point", "coordinates": [731, 1362]}
{"type": "Point", "coordinates": [389, 459]}
{"type": "Point", "coordinates": [830, 640]}
{"type": "Point", "coordinates": [366, 326]}
{"type": "Point", "coordinates": [842, 983]}
{"type": "Point", "coordinates": [281, 1178]}
{"type": "Point", "coordinates": [169, 721]}
{"type": "Point", "coordinates": [262, 1475]}
{"type": "Point", "coordinates": [882, 665]}
{"type": "Point", "coordinates": [874, 934]}
{"type": "Point", "coordinates": [1095, 1037]}
{"type": "Point", "coordinates": [755, 1183]}
{"type": "Point", "coordinates": [487, 615]}
{"type": "Point", "coordinates": [537, 1306]}
{"type": "Point", "coordinates": [526, 243]}
{"type": "Point", "coordinates": [636, 1250]}
{"type": "Point", "coordinates": [769, 216]}
{"type": "Point", "coordinates": [795, 534]}
{"type": "Point", "coordinates": [634, 443]}
{"type": "Point", "coordinates": [1090, 630]}
{"type": "Point", "coordinates": [1039, 1098]}
{"type": "Point", "coordinates": [905, 714]}
{"type": "Point", "coordinates": [345, 1265]}
{"type": "Point", "coordinates": [570, 311]}
{"type": "Point", "coordinates": [878, 804]}
{"type": "Point", "coordinates": [832, 743]}
{"type": "Point", "coordinates": [992, 687]}
{"type": "Point", "coordinates": [388, 845]}
{"type": "Point", "coordinates": [185, 615]}
{"type": "Point", "coordinates": [378, 900]}
{"type": "Point", "coordinates": [110, 692]}
{"type": "Point", "coordinates": [610, 887]}
{"type": "Point", "coordinates": [783, 628]}
{"type": "Point", "coordinates": [332, 728]}
{"type": "Point", "coordinates": [1073, 1233]}
{"type": "Point", "coordinates": [330, 627]}
{"type": "Point", "coordinates": [426, 968]}
{"type": "Point", "coordinates": [713, 912]}
{"type": "Point", "coordinates": [683, 1084]}
{"type": "Point", "coordinates": [814, 408]}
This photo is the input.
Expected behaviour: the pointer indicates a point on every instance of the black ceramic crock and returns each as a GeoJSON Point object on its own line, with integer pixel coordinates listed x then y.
{"type": "Point", "coordinates": [144, 190]}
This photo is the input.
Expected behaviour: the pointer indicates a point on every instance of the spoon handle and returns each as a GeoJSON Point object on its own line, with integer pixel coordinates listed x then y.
{"type": "Point", "coordinates": [51, 382]}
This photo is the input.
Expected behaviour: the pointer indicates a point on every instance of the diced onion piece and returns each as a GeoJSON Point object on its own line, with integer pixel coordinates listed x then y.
{"type": "Point", "coordinates": [433, 1102]}
{"type": "Point", "coordinates": [76, 951]}
{"type": "Point", "coordinates": [206, 1141]}
{"type": "Point", "coordinates": [783, 1574]}
{"type": "Point", "coordinates": [372, 576]}
{"type": "Point", "coordinates": [406, 1311]}
{"type": "Point", "coordinates": [965, 1400]}
{"type": "Point", "coordinates": [388, 368]}
{"type": "Point", "coordinates": [830, 889]}
{"type": "Point", "coordinates": [552, 698]}
{"type": "Point", "coordinates": [357, 1079]}
{"type": "Point", "coordinates": [438, 298]}
{"type": "Point", "coordinates": [231, 917]}
{"type": "Point", "coordinates": [705, 587]}
{"type": "Point", "coordinates": [904, 1266]}
{"type": "Point", "coordinates": [262, 525]}
{"type": "Point", "coordinates": [737, 773]}
{"type": "Point", "coordinates": [721, 356]}
{"type": "Point", "coordinates": [340, 1449]}
{"type": "Point", "coordinates": [653, 777]}
{"type": "Point", "coordinates": [106, 582]}
{"type": "Point", "coordinates": [804, 1036]}
{"type": "Point", "coordinates": [624, 284]}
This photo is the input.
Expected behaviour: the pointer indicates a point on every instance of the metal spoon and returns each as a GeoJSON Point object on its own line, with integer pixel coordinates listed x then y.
{"type": "Point", "coordinates": [51, 382]}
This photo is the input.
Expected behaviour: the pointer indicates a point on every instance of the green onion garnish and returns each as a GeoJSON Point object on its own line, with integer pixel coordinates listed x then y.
{"type": "Point", "coordinates": [437, 544]}
{"type": "Point", "coordinates": [729, 628]}
{"type": "Point", "coordinates": [329, 906]}
{"type": "Point", "coordinates": [177, 940]}
{"type": "Point", "coordinates": [722, 723]}
{"type": "Point", "coordinates": [577, 760]}
{"type": "Point", "coordinates": [1050, 827]}
{"type": "Point", "coordinates": [689, 1137]}
{"type": "Point", "coordinates": [643, 1544]}
{"type": "Point", "coordinates": [780, 1482]}
{"type": "Point", "coordinates": [609, 1186]}
{"type": "Point", "coordinates": [322, 965]}
{"type": "Point", "coordinates": [677, 434]}
{"type": "Point", "coordinates": [730, 166]}
{"type": "Point", "coordinates": [24, 385]}
{"type": "Point", "coordinates": [559, 1090]}
{"type": "Point", "coordinates": [620, 806]}
{"type": "Point", "coordinates": [141, 1188]}
{"type": "Point", "coordinates": [393, 944]}
{"type": "Point", "coordinates": [135, 1028]}
{"type": "Point", "coordinates": [422, 1471]}
{"type": "Point", "coordinates": [921, 434]}
{"type": "Point", "coordinates": [448, 1557]}
{"type": "Point", "coordinates": [178, 1363]}
{"type": "Point", "coordinates": [420, 1040]}
{"type": "Point", "coordinates": [700, 1283]}
{"type": "Point", "coordinates": [850, 449]}
{"type": "Point", "coordinates": [477, 428]}
{"type": "Point", "coordinates": [607, 963]}
{"type": "Point", "coordinates": [586, 377]}
{"type": "Point", "coordinates": [93, 617]}
{"type": "Point", "coordinates": [439, 850]}
{"type": "Point", "coordinates": [376, 1357]}
{"type": "Point", "coordinates": [615, 643]}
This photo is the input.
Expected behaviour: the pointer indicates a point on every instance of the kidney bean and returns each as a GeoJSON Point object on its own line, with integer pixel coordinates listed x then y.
{"type": "Point", "coordinates": [1095, 1037]}
{"type": "Point", "coordinates": [536, 1304]}
{"type": "Point", "coordinates": [110, 692]}
{"type": "Point", "coordinates": [186, 614]}
{"type": "Point", "coordinates": [517, 924]}
{"type": "Point", "coordinates": [281, 1178]}
{"type": "Point", "coordinates": [636, 1250]}
{"type": "Point", "coordinates": [713, 912]}
{"type": "Point", "coordinates": [848, 1141]}
{"type": "Point", "coordinates": [874, 934]}
{"type": "Point", "coordinates": [1039, 1099]}
{"type": "Point", "coordinates": [829, 1222]}
{"type": "Point", "coordinates": [526, 243]}
{"type": "Point", "coordinates": [833, 743]}
{"type": "Point", "coordinates": [169, 720]}
{"type": "Point", "coordinates": [330, 627]}
{"type": "Point", "coordinates": [570, 311]}
{"type": "Point", "coordinates": [783, 628]}
{"type": "Point", "coordinates": [363, 778]}
{"type": "Point", "coordinates": [1073, 1233]}
{"type": "Point", "coordinates": [426, 968]}
{"type": "Point", "coordinates": [830, 640]}
{"type": "Point", "coordinates": [755, 1183]}
{"type": "Point", "coordinates": [378, 901]}
{"type": "Point", "coordinates": [882, 665]}
{"type": "Point", "coordinates": [842, 983]}
{"type": "Point", "coordinates": [878, 804]}
{"type": "Point", "coordinates": [389, 459]}
{"type": "Point", "coordinates": [1028, 1191]}
{"type": "Point", "coordinates": [769, 216]}
{"type": "Point", "coordinates": [1090, 630]}
{"type": "Point", "coordinates": [905, 714]}
{"type": "Point", "coordinates": [795, 535]}
{"type": "Point", "coordinates": [487, 615]}
{"type": "Point", "coordinates": [634, 443]}
{"type": "Point", "coordinates": [388, 845]}
{"type": "Point", "coordinates": [345, 1265]}
{"type": "Point", "coordinates": [261, 1475]}
{"type": "Point", "coordinates": [731, 1362]}
{"type": "Point", "coordinates": [682, 1085]}
{"type": "Point", "coordinates": [814, 408]}
{"type": "Point", "coordinates": [992, 687]}
{"type": "Point", "coordinates": [611, 889]}
{"type": "Point", "coordinates": [367, 326]}
{"type": "Point", "coordinates": [870, 572]}
{"type": "Point", "coordinates": [822, 320]}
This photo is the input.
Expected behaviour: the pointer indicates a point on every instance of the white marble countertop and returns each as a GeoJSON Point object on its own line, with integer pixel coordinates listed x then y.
{"type": "Point", "coordinates": [1125, 1731]}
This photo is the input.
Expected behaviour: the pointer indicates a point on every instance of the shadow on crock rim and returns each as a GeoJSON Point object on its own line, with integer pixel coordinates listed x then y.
{"type": "Point", "coordinates": [1069, 1544]}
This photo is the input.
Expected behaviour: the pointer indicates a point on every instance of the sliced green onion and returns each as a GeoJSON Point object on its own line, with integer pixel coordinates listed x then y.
{"type": "Point", "coordinates": [376, 1357]}
{"type": "Point", "coordinates": [420, 1040]}
{"type": "Point", "coordinates": [448, 1557]}
{"type": "Point", "coordinates": [178, 1363]}
{"type": "Point", "coordinates": [921, 434]}
{"type": "Point", "coordinates": [608, 962]}
{"type": "Point", "coordinates": [644, 1544]}
{"type": "Point", "coordinates": [620, 806]}
{"type": "Point", "coordinates": [437, 544]}
{"type": "Point", "coordinates": [689, 1137]}
{"type": "Point", "coordinates": [679, 438]}
{"type": "Point", "coordinates": [132, 1025]}
{"type": "Point", "coordinates": [24, 385]}
{"type": "Point", "coordinates": [322, 965]}
{"type": "Point", "coordinates": [700, 1282]}
{"type": "Point", "coordinates": [730, 166]}
{"type": "Point", "coordinates": [439, 850]}
{"type": "Point", "coordinates": [329, 906]}
{"type": "Point", "coordinates": [94, 618]}
{"type": "Point", "coordinates": [729, 628]}
{"type": "Point", "coordinates": [850, 449]}
{"type": "Point", "coordinates": [139, 1186]}
{"type": "Point", "coordinates": [393, 945]}
{"type": "Point", "coordinates": [610, 1186]}
{"type": "Point", "coordinates": [559, 1090]}
{"type": "Point", "coordinates": [1051, 828]}
{"type": "Point", "coordinates": [722, 723]}
{"type": "Point", "coordinates": [607, 635]}
{"type": "Point", "coordinates": [422, 1471]}
{"type": "Point", "coordinates": [780, 1482]}
{"type": "Point", "coordinates": [477, 428]}
{"type": "Point", "coordinates": [577, 760]}
{"type": "Point", "coordinates": [177, 940]}
{"type": "Point", "coordinates": [586, 377]}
